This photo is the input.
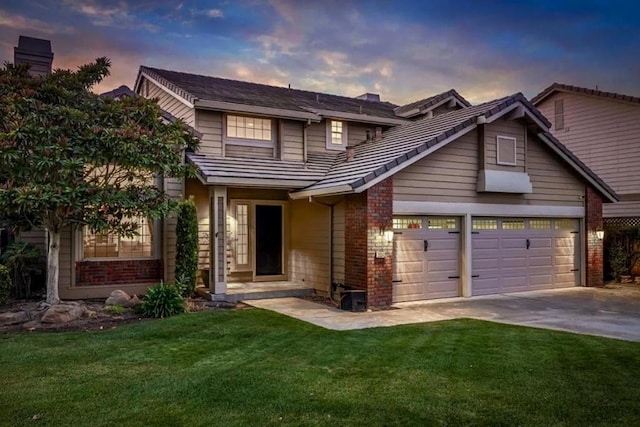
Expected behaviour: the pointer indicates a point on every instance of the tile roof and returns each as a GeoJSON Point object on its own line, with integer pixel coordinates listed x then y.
{"type": "Point", "coordinates": [575, 89]}
{"type": "Point", "coordinates": [195, 87]}
{"type": "Point", "coordinates": [424, 104]}
{"type": "Point", "coordinates": [265, 171]}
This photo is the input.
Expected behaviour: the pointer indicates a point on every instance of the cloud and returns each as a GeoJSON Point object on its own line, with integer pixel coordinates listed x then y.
{"type": "Point", "coordinates": [22, 23]}
{"type": "Point", "coordinates": [116, 15]}
{"type": "Point", "coordinates": [210, 13]}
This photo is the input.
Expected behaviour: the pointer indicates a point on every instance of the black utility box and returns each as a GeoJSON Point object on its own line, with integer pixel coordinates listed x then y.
{"type": "Point", "coordinates": [353, 300]}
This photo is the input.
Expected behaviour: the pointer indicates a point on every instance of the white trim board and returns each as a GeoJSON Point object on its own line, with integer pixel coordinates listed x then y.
{"type": "Point", "coordinates": [482, 209]}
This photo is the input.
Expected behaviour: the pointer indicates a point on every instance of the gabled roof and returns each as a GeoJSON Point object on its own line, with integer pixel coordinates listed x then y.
{"type": "Point", "coordinates": [425, 105]}
{"type": "Point", "coordinates": [404, 145]}
{"type": "Point", "coordinates": [118, 92]}
{"type": "Point", "coordinates": [233, 95]}
{"type": "Point", "coordinates": [559, 87]}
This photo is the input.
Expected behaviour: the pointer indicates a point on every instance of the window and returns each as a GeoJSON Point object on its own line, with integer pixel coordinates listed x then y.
{"type": "Point", "coordinates": [242, 234]}
{"type": "Point", "coordinates": [336, 135]}
{"type": "Point", "coordinates": [249, 128]}
{"type": "Point", "coordinates": [442, 223]}
{"type": "Point", "coordinates": [506, 150]}
{"type": "Point", "coordinates": [559, 114]}
{"type": "Point", "coordinates": [107, 245]}
{"type": "Point", "coordinates": [565, 224]}
{"type": "Point", "coordinates": [406, 223]}
{"type": "Point", "coordinates": [484, 224]}
{"type": "Point", "coordinates": [513, 224]}
{"type": "Point", "coordinates": [540, 224]}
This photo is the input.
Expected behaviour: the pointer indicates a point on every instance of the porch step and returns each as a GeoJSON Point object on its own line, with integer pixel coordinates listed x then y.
{"type": "Point", "coordinates": [264, 294]}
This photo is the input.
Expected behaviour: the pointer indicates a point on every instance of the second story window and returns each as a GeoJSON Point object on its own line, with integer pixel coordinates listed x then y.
{"type": "Point", "coordinates": [249, 128]}
{"type": "Point", "coordinates": [336, 135]}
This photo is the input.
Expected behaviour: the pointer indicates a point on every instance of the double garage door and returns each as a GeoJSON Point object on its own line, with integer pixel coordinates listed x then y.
{"type": "Point", "coordinates": [508, 255]}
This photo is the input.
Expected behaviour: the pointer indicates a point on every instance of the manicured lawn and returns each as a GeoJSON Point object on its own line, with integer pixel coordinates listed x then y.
{"type": "Point", "coordinates": [253, 367]}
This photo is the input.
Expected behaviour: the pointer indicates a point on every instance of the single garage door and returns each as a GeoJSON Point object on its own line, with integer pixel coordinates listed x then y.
{"type": "Point", "coordinates": [427, 258]}
{"type": "Point", "coordinates": [524, 254]}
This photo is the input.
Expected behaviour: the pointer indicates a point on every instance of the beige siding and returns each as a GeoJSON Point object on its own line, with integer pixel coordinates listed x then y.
{"type": "Point", "coordinates": [248, 151]}
{"type": "Point", "coordinates": [174, 188]}
{"type": "Point", "coordinates": [257, 194]}
{"type": "Point", "coordinates": [621, 209]}
{"type": "Point", "coordinates": [209, 123]}
{"type": "Point", "coordinates": [169, 103]}
{"type": "Point", "coordinates": [338, 242]}
{"type": "Point", "coordinates": [450, 175]}
{"type": "Point", "coordinates": [37, 238]}
{"type": "Point", "coordinates": [605, 134]}
{"type": "Point", "coordinates": [310, 253]}
{"type": "Point", "coordinates": [200, 193]}
{"type": "Point", "coordinates": [292, 140]}
{"type": "Point", "coordinates": [508, 128]}
{"type": "Point", "coordinates": [65, 275]}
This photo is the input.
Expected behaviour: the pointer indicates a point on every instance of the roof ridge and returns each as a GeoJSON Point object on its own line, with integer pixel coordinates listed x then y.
{"type": "Point", "coordinates": [578, 89]}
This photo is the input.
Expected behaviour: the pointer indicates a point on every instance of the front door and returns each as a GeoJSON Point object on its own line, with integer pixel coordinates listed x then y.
{"type": "Point", "coordinates": [269, 240]}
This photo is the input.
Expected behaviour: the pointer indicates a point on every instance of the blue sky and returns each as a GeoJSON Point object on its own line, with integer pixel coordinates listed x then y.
{"type": "Point", "coordinates": [403, 50]}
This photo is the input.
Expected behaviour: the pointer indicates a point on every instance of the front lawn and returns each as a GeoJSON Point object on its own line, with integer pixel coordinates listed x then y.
{"type": "Point", "coordinates": [253, 367]}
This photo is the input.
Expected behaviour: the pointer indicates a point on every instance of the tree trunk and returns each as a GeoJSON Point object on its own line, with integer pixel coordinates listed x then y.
{"type": "Point", "coordinates": [53, 267]}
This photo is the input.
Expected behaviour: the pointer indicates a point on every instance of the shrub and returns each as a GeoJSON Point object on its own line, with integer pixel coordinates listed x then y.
{"type": "Point", "coordinates": [24, 260]}
{"type": "Point", "coordinates": [162, 301]}
{"type": "Point", "coordinates": [5, 284]}
{"type": "Point", "coordinates": [115, 309]}
{"type": "Point", "coordinates": [618, 261]}
{"type": "Point", "coordinates": [187, 247]}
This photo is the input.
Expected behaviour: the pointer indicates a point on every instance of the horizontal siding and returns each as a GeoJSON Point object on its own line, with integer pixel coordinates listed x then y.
{"type": "Point", "coordinates": [209, 123]}
{"type": "Point", "coordinates": [38, 238]}
{"type": "Point", "coordinates": [169, 103]}
{"type": "Point", "coordinates": [174, 188]}
{"type": "Point", "coordinates": [621, 209]}
{"type": "Point", "coordinates": [317, 135]}
{"type": "Point", "coordinates": [65, 274]}
{"type": "Point", "coordinates": [310, 253]}
{"type": "Point", "coordinates": [256, 194]}
{"type": "Point", "coordinates": [450, 175]}
{"type": "Point", "coordinates": [338, 242]}
{"type": "Point", "coordinates": [292, 140]}
{"type": "Point", "coordinates": [510, 128]}
{"type": "Point", "coordinates": [248, 151]}
{"type": "Point", "coordinates": [605, 134]}
{"type": "Point", "coordinates": [200, 193]}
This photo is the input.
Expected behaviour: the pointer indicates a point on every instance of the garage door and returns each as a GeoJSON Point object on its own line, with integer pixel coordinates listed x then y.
{"type": "Point", "coordinates": [518, 254]}
{"type": "Point", "coordinates": [427, 254]}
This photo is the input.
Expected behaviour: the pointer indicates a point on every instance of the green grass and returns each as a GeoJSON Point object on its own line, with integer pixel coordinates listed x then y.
{"type": "Point", "coordinates": [253, 367]}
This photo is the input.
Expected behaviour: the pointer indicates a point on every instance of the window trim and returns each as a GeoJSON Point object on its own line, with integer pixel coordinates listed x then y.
{"type": "Point", "coordinates": [514, 141]}
{"type": "Point", "coordinates": [345, 135]}
{"type": "Point", "coordinates": [156, 248]}
{"type": "Point", "coordinates": [248, 141]}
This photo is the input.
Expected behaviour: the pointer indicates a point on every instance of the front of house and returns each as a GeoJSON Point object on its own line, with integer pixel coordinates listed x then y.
{"type": "Point", "coordinates": [434, 199]}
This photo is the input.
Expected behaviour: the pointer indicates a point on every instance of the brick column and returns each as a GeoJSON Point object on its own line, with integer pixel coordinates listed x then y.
{"type": "Point", "coordinates": [594, 246]}
{"type": "Point", "coordinates": [368, 256]}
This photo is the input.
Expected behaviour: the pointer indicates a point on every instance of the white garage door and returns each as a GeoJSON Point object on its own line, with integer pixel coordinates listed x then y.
{"type": "Point", "coordinates": [513, 255]}
{"type": "Point", "coordinates": [427, 258]}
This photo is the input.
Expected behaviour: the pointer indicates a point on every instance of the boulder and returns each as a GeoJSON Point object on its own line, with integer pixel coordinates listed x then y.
{"type": "Point", "coordinates": [135, 301]}
{"type": "Point", "coordinates": [13, 318]}
{"type": "Point", "coordinates": [63, 313]}
{"type": "Point", "coordinates": [118, 297]}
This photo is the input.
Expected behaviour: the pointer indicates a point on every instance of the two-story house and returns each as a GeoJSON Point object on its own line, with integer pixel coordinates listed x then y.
{"type": "Point", "coordinates": [299, 190]}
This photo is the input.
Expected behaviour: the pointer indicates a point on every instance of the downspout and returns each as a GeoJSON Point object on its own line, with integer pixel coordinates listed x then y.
{"type": "Point", "coordinates": [304, 141]}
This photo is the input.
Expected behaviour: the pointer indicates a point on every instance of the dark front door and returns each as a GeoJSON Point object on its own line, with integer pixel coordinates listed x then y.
{"type": "Point", "coordinates": [268, 240]}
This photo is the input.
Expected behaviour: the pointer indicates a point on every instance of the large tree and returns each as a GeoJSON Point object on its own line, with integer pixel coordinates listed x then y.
{"type": "Point", "coordinates": [69, 158]}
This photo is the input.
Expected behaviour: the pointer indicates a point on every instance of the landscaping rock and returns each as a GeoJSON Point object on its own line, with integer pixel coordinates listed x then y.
{"type": "Point", "coordinates": [118, 297]}
{"type": "Point", "coordinates": [31, 325]}
{"type": "Point", "coordinates": [135, 300]}
{"type": "Point", "coordinates": [63, 313]}
{"type": "Point", "coordinates": [13, 318]}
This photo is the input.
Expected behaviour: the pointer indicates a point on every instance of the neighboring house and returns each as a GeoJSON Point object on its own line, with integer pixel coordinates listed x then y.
{"type": "Point", "coordinates": [434, 199]}
{"type": "Point", "coordinates": [603, 130]}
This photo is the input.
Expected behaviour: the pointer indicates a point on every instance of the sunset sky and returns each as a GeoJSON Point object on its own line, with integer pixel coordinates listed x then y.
{"type": "Point", "coordinates": [403, 50]}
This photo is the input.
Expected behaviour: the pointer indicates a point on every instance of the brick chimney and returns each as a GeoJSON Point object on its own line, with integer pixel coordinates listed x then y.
{"type": "Point", "coordinates": [36, 52]}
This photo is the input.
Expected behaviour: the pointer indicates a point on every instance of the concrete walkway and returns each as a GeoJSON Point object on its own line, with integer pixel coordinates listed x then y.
{"type": "Point", "coordinates": [613, 311]}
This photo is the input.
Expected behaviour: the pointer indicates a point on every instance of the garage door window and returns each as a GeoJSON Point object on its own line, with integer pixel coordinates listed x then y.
{"type": "Point", "coordinates": [484, 224]}
{"type": "Point", "coordinates": [565, 224]}
{"type": "Point", "coordinates": [443, 224]}
{"type": "Point", "coordinates": [407, 223]}
{"type": "Point", "coordinates": [513, 224]}
{"type": "Point", "coordinates": [540, 224]}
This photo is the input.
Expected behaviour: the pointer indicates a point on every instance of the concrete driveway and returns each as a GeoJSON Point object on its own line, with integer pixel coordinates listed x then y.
{"type": "Point", "coordinates": [613, 311]}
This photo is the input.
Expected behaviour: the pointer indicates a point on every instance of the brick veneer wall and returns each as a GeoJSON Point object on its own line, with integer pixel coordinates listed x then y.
{"type": "Point", "coordinates": [368, 256]}
{"type": "Point", "coordinates": [595, 250]}
{"type": "Point", "coordinates": [118, 272]}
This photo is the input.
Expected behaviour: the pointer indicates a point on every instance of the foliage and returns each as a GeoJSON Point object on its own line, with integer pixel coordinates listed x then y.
{"type": "Point", "coordinates": [267, 369]}
{"type": "Point", "coordinates": [24, 260]}
{"type": "Point", "coordinates": [71, 158]}
{"type": "Point", "coordinates": [115, 309]}
{"type": "Point", "coordinates": [5, 284]}
{"type": "Point", "coordinates": [162, 301]}
{"type": "Point", "coordinates": [622, 249]}
{"type": "Point", "coordinates": [187, 247]}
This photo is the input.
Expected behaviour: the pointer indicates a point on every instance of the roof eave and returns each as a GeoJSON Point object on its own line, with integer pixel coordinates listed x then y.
{"type": "Point", "coordinates": [364, 118]}
{"type": "Point", "coordinates": [232, 107]}
{"type": "Point", "coordinates": [284, 184]}
{"type": "Point", "coordinates": [327, 191]}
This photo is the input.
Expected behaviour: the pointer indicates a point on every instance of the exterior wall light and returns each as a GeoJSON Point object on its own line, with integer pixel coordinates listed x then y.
{"type": "Point", "coordinates": [388, 235]}
{"type": "Point", "coordinates": [600, 234]}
